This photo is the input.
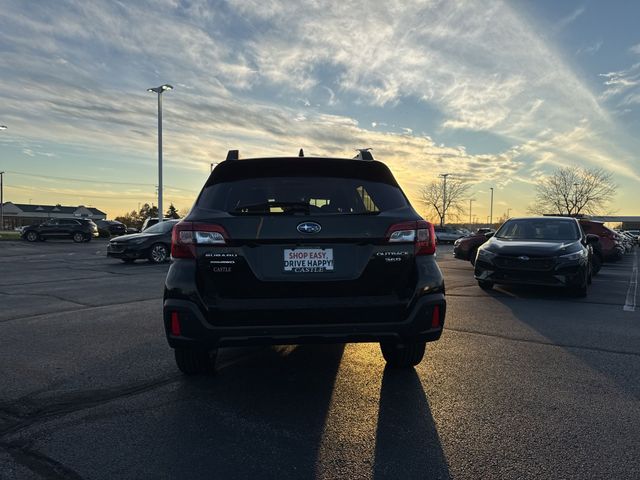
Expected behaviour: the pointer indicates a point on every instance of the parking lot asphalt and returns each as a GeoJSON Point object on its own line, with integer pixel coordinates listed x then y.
{"type": "Point", "coordinates": [525, 383]}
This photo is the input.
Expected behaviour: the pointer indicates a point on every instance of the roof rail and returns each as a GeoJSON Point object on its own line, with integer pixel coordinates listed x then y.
{"type": "Point", "coordinates": [233, 155]}
{"type": "Point", "coordinates": [364, 154]}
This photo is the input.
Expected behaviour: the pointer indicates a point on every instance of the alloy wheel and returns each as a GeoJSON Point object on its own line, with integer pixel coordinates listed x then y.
{"type": "Point", "coordinates": [159, 253]}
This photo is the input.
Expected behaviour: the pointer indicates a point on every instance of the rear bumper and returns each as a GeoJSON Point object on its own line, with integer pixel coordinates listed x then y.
{"type": "Point", "coordinates": [199, 330]}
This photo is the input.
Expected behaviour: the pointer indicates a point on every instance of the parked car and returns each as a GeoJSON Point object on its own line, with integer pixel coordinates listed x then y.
{"type": "Point", "coordinates": [132, 230]}
{"type": "Point", "coordinates": [78, 229]}
{"type": "Point", "coordinates": [466, 248]}
{"type": "Point", "coordinates": [596, 256]}
{"type": "Point", "coordinates": [293, 250]}
{"type": "Point", "coordinates": [635, 234]}
{"type": "Point", "coordinates": [630, 239]}
{"type": "Point", "coordinates": [550, 251]}
{"type": "Point", "coordinates": [110, 228]}
{"type": "Point", "coordinates": [447, 234]}
{"type": "Point", "coordinates": [154, 244]}
{"type": "Point", "coordinates": [611, 250]}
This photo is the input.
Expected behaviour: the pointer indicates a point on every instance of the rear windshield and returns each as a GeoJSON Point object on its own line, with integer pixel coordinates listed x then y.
{"type": "Point", "coordinates": [314, 195]}
{"type": "Point", "coordinates": [539, 229]}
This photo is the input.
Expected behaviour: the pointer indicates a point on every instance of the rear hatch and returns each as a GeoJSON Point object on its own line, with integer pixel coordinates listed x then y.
{"type": "Point", "coordinates": [303, 228]}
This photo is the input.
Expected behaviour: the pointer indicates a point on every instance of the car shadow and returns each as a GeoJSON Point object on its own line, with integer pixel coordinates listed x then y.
{"type": "Point", "coordinates": [407, 440]}
{"type": "Point", "coordinates": [604, 345]}
{"type": "Point", "coordinates": [533, 291]}
{"type": "Point", "coordinates": [262, 415]}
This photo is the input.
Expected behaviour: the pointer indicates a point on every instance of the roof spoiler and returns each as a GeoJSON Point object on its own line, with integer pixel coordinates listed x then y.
{"type": "Point", "coordinates": [364, 154]}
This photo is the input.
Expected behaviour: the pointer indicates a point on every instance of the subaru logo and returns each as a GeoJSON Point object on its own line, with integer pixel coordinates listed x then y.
{"type": "Point", "coordinates": [309, 227]}
{"type": "Point", "coordinates": [524, 258]}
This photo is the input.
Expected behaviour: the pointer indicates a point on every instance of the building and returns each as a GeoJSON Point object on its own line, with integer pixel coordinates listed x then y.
{"type": "Point", "coordinates": [20, 214]}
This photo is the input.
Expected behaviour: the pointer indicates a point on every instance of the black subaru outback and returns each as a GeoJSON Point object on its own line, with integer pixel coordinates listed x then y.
{"type": "Point", "coordinates": [302, 250]}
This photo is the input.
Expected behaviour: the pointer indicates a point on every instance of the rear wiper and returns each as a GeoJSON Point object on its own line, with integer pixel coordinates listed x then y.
{"type": "Point", "coordinates": [286, 206]}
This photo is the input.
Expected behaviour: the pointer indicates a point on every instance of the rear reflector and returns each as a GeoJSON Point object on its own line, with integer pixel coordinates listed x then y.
{"type": "Point", "coordinates": [175, 324]}
{"type": "Point", "coordinates": [420, 233]}
{"type": "Point", "coordinates": [186, 235]}
{"type": "Point", "coordinates": [435, 317]}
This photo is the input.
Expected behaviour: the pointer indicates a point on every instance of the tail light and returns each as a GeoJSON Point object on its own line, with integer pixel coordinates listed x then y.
{"type": "Point", "coordinates": [186, 235]}
{"type": "Point", "coordinates": [175, 324]}
{"type": "Point", "coordinates": [435, 316]}
{"type": "Point", "coordinates": [420, 233]}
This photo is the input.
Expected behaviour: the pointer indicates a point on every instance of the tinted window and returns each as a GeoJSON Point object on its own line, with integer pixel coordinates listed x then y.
{"type": "Point", "coordinates": [539, 229]}
{"type": "Point", "coordinates": [68, 222]}
{"type": "Point", "coordinates": [311, 195]}
{"type": "Point", "coordinates": [163, 227]}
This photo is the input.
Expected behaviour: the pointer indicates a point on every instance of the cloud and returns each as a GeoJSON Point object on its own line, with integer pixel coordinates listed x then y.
{"type": "Point", "coordinates": [590, 49]}
{"type": "Point", "coordinates": [620, 82]}
{"type": "Point", "coordinates": [270, 77]}
{"type": "Point", "coordinates": [569, 19]}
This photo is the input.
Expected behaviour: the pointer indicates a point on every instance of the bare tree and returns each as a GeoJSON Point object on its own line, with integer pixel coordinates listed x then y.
{"type": "Point", "coordinates": [574, 190]}
{"type": "Point", "coordinates": [433, 197]}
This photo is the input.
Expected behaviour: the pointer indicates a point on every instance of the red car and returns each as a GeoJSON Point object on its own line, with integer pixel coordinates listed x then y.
{"type": "Point", "coordinates": [466, 248]}
{"type": "Point", "coordinates": [611, 248]}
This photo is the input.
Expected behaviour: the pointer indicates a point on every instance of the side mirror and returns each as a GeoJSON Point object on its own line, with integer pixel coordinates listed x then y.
{"type": "Point", "coordinates": [592, 239]}
{"type": "Point", "coordinates": [489, 234]}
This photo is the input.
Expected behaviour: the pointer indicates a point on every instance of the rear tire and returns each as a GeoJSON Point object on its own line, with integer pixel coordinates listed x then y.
{"type": "Point", "coordinates": [484, 285]}
{"type": "Point", "coordinates": [78, 237]}
{"type": "Point", "coordinates": [596, 263]}
{"type": "Point", "coordinates": [192, 362]}
{"type": "Point", "coordinates": [403, 355]}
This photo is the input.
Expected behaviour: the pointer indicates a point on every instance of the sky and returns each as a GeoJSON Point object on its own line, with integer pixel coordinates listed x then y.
{"type": "Point", "coordinates": [495, 93]}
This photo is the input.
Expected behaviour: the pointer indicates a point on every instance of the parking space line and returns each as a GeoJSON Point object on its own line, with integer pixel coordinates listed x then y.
{"type": "Point", "coordinates": [632, 292]}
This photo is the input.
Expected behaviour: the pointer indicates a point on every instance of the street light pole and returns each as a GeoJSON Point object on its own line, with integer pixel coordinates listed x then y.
{"type": "Point", "coordinates": [491, 210]}
{"type": "Point", "coordinates": [470, 202]}
{"type": "Point", "coordinates": [508, 213]}
{"type": "Point", "coordinates": [159, 91]}
{"type": "Point", "coordinates": [2, 127]}
{"type": "Point", "coordinates": [444, 198]}
{"type": "Point", "coordinates": [1, 201]}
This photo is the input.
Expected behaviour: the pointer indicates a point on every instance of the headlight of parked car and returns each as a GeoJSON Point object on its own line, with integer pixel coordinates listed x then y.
{"type": "Point", "coordinates": [574, 256]}
{"type": "Point", "coordinates": [484, 254]}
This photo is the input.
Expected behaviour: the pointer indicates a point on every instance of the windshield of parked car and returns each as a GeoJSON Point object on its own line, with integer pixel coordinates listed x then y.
{"type": "Point", "coordinates": [539, 229]}
{"type": "Point", "coordinates": [162, 227]}
{"type": "Point", "coordinates": [302, 195]}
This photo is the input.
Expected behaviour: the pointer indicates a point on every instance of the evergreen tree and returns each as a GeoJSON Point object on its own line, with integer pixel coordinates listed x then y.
{"type": "Point", "coordinates": [172, 212]}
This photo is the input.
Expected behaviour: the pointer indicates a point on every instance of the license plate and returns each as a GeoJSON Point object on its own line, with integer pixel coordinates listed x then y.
{"type": "Point", "coordinates": [308, 260]}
